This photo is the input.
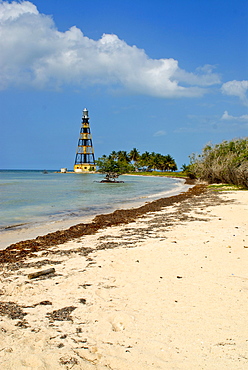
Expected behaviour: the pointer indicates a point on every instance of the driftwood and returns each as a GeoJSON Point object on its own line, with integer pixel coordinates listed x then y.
{"type": "Point", "coordinates": [111, 181]}
{"type": "Point", "coordinates": [40, 273]}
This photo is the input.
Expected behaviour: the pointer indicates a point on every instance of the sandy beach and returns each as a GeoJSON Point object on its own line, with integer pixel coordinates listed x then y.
{"type": "Point", "coordinates": [164, 288]}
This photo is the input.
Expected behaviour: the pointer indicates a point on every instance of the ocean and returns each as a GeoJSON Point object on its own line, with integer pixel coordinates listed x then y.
{"type": "Point", "coordinates": [28, 198]}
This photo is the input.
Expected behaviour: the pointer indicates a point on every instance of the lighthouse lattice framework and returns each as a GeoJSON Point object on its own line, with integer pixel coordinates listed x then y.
{"type": "Point", "coordinates": [85, 159]}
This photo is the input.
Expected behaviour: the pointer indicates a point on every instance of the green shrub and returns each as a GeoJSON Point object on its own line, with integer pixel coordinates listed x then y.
{"type": "Point", "coordinates": [226, 162]}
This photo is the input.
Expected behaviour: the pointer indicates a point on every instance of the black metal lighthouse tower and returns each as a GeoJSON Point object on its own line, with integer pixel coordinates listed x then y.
{"type": "Point", "coordinates": [85, 159]}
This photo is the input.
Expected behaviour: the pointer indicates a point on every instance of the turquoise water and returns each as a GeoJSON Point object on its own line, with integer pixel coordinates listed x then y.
{"type": "Point", "coordinates": [28, 197]}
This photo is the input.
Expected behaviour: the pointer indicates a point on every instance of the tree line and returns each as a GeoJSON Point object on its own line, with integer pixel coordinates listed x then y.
{"type": "Point", "coordinates": [124, 162]}
{"type": "Point", "coordinates": [226, 162]}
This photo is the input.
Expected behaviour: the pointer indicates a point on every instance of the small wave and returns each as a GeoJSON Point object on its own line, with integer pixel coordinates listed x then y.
{"type": "Point", "coordinates": [14, 226]}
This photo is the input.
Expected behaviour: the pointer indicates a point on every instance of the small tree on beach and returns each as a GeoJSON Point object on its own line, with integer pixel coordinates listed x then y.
{"type": "Point", "coordinates": [112, 168]}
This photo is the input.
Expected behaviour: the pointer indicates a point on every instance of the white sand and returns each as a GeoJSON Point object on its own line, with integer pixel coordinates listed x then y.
{"type": "Point", "coordinates": [177, 299]}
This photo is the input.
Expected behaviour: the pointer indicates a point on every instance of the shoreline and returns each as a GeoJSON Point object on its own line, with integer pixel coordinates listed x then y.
{"type": "Point", "coordinates": [164, 290]}
{"type": "Point", "coordinates": [26, 247]}
{"type": "Point", "coordinates": [30, 229]}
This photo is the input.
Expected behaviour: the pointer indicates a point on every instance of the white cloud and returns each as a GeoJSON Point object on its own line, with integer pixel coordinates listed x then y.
{"type": "Point", "coordinates": [34, 52]}
{"type": "Point", "coordinates": [159, 133]}
{"type": "Point", "coordinates": [228, 117]}
{"type": "Point", "coordinates": [13, 10]}
{"type": "Point", "coordinates": [204, 76]}
{"type": "Point", "coordinates": [236, 88]}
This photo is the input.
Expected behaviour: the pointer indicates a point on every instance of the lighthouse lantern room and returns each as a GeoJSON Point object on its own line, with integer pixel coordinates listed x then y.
{"type": "Point", "coordinates": [85, 159]}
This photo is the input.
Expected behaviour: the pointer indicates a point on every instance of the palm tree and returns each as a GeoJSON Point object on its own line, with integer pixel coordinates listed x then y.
{"type": "Point", "coordinates": [113, 155]}
{"type": "Point", "coordinates": [123, 156]}
{"type": "Point", "coordinates": [134, 155]}
{"type": "Point", "coordinates": [153, 161]}
{"type": "Point", "coordinates": [170, 162]}
{"type": "Point", "coordinates": [144, 159]}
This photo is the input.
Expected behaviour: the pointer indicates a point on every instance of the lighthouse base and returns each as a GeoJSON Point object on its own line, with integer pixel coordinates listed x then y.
{"type": "Point", "coordinates": [84, 168]}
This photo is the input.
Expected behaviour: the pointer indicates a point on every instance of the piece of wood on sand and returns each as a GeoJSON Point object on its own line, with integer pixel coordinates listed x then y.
{"type": "Point", "coordinates": [34, 275]}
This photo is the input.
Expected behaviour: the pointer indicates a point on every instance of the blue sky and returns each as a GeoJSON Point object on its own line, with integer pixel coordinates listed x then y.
{"type": "Point", "coordinates": [167, 76]}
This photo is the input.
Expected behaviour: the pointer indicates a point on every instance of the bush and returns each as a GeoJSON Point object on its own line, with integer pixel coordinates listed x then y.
{"type": "Point", "coordinates": [113, 168]}
{"type": "Point", "coordinates": [226, 162]}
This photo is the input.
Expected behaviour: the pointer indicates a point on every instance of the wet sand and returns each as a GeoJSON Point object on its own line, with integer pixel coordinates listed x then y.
{"type": "Point", "coordinates": [160, 287]}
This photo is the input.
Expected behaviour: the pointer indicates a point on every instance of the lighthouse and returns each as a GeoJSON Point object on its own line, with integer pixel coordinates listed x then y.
{"type": "Point", "coordinates": [85, 159]}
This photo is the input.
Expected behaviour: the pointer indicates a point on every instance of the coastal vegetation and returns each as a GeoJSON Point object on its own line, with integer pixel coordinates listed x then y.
{"type": "Point", "coordinates": [117, 163]}
{"type": "Point", "coordinates": [112, 167]}
{"type": "Point", "coordinates": [226, 162]}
